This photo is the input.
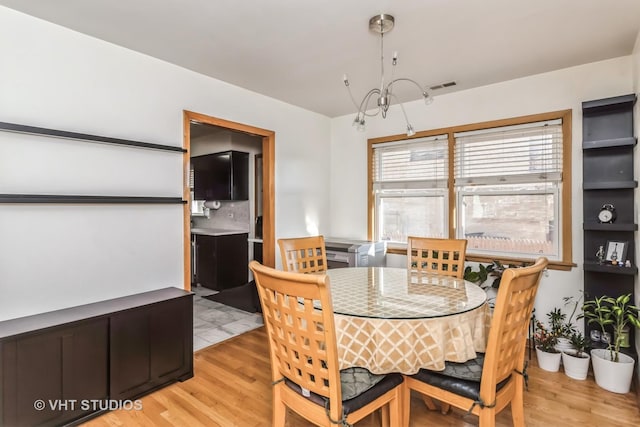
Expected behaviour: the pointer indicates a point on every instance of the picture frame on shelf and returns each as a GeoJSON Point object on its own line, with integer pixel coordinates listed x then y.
{"type": "Point", "coordinates": [616, 251]}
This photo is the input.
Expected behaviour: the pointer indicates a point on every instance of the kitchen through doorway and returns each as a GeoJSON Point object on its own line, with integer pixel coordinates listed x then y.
{"type": "Point", "coordinates": [207, 136]}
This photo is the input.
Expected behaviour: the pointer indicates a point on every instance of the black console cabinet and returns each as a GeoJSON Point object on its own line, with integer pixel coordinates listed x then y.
{"type": "Point", "coordinates": [608, 178]}
{"type": "Point", "coordinates": [221, 176]}
{"type": "Point", "coordinates": [116, 349]}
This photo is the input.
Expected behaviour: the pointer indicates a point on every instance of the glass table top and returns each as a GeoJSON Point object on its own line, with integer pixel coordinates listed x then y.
{"type": "Point", "coordinates": [394, 293]}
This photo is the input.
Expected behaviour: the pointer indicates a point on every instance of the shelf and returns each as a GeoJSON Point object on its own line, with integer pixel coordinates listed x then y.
{"type": "Point", "coordinates": [51, 198]}
{"type": "Point", "coordinates": [609, 143]}
{"type": "Point", "coordinates": [595, 226]}
{"type": "Point", "coordinates": [12, 127]}
{"type": "Point", "coordinates": [609, 185]}
{"type": "Point", "coordinates": [608, 268]}
{"type": "Point", "coordinates": [612, 103]}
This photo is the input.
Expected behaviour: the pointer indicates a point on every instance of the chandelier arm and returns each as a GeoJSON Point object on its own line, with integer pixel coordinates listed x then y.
{"type": "Point", "coordinates": [424, 91]}
{"type": "Point", "coordinates": [365, 101]}
{"type": "Point", "coordinates": [404, 113]}
{"type": "Point", "coordinates": [355, 104]}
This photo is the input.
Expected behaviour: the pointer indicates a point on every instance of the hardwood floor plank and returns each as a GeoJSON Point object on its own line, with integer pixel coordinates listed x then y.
{"type": "Point", "coordinates": [232, 387]}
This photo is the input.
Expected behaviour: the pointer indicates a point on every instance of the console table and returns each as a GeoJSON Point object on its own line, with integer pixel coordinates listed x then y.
{"type": "Point", "coordinates": [117, 349]}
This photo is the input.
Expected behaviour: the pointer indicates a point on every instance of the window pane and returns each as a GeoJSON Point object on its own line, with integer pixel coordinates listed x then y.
{"type": "Point", "coordinates": [510, 223]}
{"type": "Point", "coordinates": [409, 215]}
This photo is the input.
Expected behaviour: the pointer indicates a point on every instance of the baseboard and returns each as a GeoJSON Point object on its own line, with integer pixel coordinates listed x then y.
{"type": "Point", "coordinates": [636, 386]}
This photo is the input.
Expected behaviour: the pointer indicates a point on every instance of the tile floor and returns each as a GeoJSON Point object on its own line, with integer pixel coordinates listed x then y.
{"type": "Point", "coordinates": [214, 322]}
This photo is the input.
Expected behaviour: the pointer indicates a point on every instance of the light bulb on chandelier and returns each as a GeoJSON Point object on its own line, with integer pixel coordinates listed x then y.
{"type": "Point", "coordinates": [384, 95]}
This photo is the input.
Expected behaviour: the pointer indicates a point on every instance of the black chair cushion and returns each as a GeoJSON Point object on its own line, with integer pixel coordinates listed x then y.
{"type": "Point", "coordinates": [370, 388]}
{"type": "Point", "coordinates": [462, 379]}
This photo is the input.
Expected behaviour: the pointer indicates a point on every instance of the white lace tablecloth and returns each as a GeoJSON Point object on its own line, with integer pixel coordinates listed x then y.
{"type": "Point", "coordinates": [388, 320]}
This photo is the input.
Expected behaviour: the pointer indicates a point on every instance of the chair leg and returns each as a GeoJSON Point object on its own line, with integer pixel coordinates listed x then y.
{"type": "Point", "coordinates": [405, 400]}
{"type": "Point", "coordinates": [279, 408]}
{"type": "Point", "coordinates": [429, 402]}
{"type": "Point", "coordinates": [517, 406]}
{"type": "Point", "coordinates": [487, 417]}
{"type": "Point", "coordinates": [444, 408]}
{"type": "Point", "coordinates": [384, 415]}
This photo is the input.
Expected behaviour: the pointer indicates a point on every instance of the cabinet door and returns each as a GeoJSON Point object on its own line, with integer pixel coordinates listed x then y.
{"type": "Point", "coordinates": [64, 365]}
{"type": "Point", "coordinates": [151, 346]}
{"type": "Point", "coordinates": [206, 261]}
{"type": "Point", "coordinates": [232, 260]}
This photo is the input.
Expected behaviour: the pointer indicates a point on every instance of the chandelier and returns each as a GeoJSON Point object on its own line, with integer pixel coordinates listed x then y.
{"type": "Point", "coordinates": [383, 95]}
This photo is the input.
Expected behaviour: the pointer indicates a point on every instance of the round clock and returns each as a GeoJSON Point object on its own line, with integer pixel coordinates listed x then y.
{"type": "Point", "coordinates": [607, 213]}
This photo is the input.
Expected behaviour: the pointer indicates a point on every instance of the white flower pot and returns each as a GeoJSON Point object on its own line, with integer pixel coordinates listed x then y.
{"type": "Point", "coordinates": [548, 361]}
{"type": "Point", "coordinates": [575, 367]}
{"type": "Point", "coordinates": [612, 376]}
{"type": "Point", "coordinates": [563, 344]}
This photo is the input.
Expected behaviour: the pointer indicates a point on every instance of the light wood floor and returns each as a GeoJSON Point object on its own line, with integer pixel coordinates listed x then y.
{"type": "Point", "coordinates": [231, 387]}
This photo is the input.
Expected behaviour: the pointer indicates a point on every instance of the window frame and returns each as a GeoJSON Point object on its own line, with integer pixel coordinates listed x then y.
{"type": "Point", "coordinates": [565, 261]}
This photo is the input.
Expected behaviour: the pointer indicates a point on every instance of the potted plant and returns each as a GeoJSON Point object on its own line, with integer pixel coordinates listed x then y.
{"type": "Point", "coordinates": [546, 340]}
{"type": "Point", "coordinates": [613, 370]}
{"type": "Point", "coordinates": [560, 329]}
{"type": "Point", "coordinates": [576, 360]}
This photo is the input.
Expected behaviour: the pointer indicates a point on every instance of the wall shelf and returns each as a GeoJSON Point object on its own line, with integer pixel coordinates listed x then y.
{"type": "Point", "coordinates": [608, 268]}
{"type": "Point", "coordinates": [609, 227]}
{"type": "Point", "coordinates": [32, 130]}
{"type": "Point", "coordinates": [609, 143]}
{"type": "Point", "coordinates": [608, 178]}
{"type": "Point", "coordinates": [609, 185]}
{"type": "Point", "coordinates": [51, 198]}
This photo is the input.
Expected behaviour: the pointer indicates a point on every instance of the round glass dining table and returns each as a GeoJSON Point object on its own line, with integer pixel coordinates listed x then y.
{"type": "Point", "coordinates": [392, 320]}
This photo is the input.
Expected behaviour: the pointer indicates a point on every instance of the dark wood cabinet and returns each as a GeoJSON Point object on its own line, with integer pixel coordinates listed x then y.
{"type": "Point", "coordinates": [59, 367]}
{"type": "Point", "coordinates": [222, 261]}
{"type": "Point", "coordinates": [115, 349]}
{"type": "Point", "coordinates": [221, 176]}
{"type": "Point", "coordinates": [608, 178]}
{"type": "Point", "coordinates": [149, 348]}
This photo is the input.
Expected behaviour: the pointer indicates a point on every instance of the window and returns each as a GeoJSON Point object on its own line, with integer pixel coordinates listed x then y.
{"type": "Point", "coordinates": [410, 181]}
{"type": "Point", "coordinates": [504, 186]}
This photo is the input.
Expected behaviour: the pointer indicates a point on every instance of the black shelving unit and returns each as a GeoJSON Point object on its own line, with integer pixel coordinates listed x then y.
{"type": "Point", "coordinates": [86, 199]}
{"type": "Point", "coordinates": [608, 178]}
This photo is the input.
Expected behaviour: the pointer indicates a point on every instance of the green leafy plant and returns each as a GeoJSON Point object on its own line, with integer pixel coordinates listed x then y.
{"type": "Point", "coordinates": [579, 343]}
{"type": "Point", "coordinates": [545, 339]}
{"type": "Point", "coordinates": [560, 327]}
{"type": "Point", "coordinates": [480, 276]}
{"type": "Point", "coordinates": [615, 313]}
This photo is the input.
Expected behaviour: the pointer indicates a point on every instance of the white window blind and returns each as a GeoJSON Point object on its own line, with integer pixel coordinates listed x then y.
{"type": "Point", "coordinates": [509, 155]}
{"type": "Point", "coordinates": [411, 164]}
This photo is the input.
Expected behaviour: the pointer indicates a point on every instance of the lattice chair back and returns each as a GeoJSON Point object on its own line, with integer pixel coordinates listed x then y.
{"type": "Point", "coordinates": [484, 386]}
{"type": "Point", "coordinates": [506, 344]}
{"type": "Point", "coordinates": [303, 254]}
{"type": "Point", "coordinates": [299, 319]}
{"type": "Point", "coordinates": [441, 256]}
{"type": "Point", "coordinates": [302, 339]}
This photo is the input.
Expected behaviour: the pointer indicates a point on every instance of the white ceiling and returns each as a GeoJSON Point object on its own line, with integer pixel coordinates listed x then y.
{"type": "Point", "coordinates": [297, 51]}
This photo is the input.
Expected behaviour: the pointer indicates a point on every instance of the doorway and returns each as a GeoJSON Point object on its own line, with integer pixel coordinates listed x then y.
{"type": "Point", "coordinates": [267, 178]}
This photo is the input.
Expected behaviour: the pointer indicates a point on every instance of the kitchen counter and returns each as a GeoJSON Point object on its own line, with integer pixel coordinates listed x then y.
{"type": "Point", "coordinates": [217, 231]}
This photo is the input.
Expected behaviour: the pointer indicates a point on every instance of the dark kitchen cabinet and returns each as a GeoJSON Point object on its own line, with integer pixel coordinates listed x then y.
{"type": "Point", "coordinates": [221, 176]}
{"type": "Point", "coordinates": [65, 364]}
{"type": "Point", "coordinates": [222, 261]}
{"type": "Point", "coordinates": [115, 349]}
{"type": "Point", "coordinates": [608, 179]}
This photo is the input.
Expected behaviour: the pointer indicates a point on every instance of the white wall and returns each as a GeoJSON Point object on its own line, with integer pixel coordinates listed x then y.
{"type": "Point", "coordinates": [54, 256]}
{"type": "Point", "coordinates": [559, 90]}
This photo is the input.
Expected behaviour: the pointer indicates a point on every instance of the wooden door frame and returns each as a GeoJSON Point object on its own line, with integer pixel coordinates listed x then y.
{"type": "Point", "coordinates": [268, 177]}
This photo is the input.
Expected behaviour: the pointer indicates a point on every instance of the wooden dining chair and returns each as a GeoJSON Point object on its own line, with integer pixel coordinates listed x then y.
{"type": "Point", "coordinates": [304, 356]}
{"type": "Point", "coordinates": [303, 254]}
{"type": "Point", "coordinates": [441, 256]}
{"type": "Point", "coordinates": [487, 384]}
